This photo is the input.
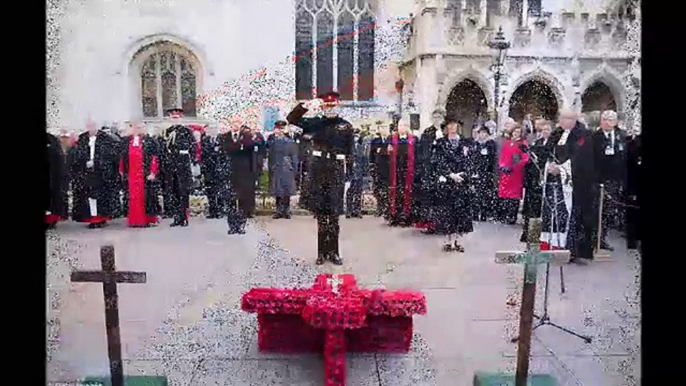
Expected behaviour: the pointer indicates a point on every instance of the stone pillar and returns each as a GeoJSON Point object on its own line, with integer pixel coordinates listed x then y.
{"type": "Point", "coordinates": [427, 84]}
{"type": "Point", "coordinates": [483, 14]}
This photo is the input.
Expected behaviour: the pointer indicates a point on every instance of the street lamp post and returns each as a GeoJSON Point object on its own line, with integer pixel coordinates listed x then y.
{"type": "Point", "coordinates": [500, 45]}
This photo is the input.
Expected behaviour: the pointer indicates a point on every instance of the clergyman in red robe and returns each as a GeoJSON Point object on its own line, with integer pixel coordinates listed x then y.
{"type": "Point", "coordinates": [139, 167]}
{"type": "Point", "coordinates": [402, 155]}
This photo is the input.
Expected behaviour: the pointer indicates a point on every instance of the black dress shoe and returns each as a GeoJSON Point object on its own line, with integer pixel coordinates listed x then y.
{"type": "Point", "coordinates": [578, 261]}
{"type": "Point", "coordinates": [320, 260]}
{"type": "Point", "coordinates": [457, 247]}
{"type": "Point", "coordinates": [277, 216]}
{"type": "Point", "coordinates": [347, 216]}
{"type": "Point", "coordinates": [92, 226]}
{"type": "Point", "coordinates": [606, 247]}
{"type": "Point", "coordinates": [184, 223]}
{"type": "Point", "coordinates": [288, 216]}
{"type": "Point", "coordinates": [448, 247]}
{"type": "Point", "coordinates": [175, 224]}
{"type": "Point", "coordinates": [334, 258]}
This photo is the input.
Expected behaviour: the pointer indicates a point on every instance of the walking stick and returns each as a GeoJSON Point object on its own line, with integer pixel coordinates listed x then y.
{"type": "Point", "coordinates": [599, 253]}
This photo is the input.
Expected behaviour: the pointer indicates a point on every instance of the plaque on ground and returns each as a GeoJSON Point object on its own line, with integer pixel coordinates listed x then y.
{"type": "Point", "coordinates": [129, 380]}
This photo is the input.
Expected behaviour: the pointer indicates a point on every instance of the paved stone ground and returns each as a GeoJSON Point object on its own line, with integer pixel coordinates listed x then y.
{"type": "Point", "coordinates": [186, 321]}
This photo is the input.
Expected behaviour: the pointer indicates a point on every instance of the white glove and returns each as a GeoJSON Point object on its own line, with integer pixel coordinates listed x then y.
{"type": "Point", "coordinates": [442, 179]}
{"type": "Point", "coordinates": [313, 104]}
{"type": "Point", "coordinates": [457, 177]}
{"type": "Point", "coordinates": [90, 164]}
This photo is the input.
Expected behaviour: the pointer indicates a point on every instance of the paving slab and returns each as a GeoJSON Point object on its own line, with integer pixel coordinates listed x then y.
{"type": "Point", "coordinates": [186, 323]}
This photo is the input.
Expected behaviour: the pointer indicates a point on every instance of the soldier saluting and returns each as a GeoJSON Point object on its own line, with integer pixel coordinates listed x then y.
{"type": "Point", "coordinates": [333, 141]}
{"type": "Point", "coordinates": [181, 148]}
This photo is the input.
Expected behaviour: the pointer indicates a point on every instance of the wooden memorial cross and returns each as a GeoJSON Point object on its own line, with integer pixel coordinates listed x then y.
{"type": "Point", "coordinates": [109, 278]}
{"type": "Point", "coordinates": [531, 258]}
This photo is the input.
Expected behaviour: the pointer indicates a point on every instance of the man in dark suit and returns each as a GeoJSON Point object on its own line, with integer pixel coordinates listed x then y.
{"type": "Point", "coordinates": [609, 145]}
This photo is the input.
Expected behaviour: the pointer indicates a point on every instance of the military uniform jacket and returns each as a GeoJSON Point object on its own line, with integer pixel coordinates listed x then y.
{"type": "Point", "coordinates": [332, 150]}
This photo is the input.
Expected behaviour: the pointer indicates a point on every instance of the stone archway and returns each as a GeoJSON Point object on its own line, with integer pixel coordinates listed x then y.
{"type": "Point", "coordinates": [533, 97]}
{"type": "Point", "coordinates": [467, 102]}
{"type": "Point", "coordinates": [598, 97]}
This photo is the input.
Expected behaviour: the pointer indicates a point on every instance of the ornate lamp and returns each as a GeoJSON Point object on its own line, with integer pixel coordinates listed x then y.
{"type": "Point", "coordinates": [499, 45]}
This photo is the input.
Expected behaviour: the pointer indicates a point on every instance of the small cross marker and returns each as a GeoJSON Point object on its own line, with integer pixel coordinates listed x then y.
{"type": "Point", "coordinates": [334, 281]}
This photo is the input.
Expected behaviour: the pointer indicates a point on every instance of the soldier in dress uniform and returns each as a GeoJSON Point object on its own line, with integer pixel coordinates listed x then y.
{"type": "Point", "coordinates": [332, 139]}
{"type": "Point", "coordinates": [181, 148]}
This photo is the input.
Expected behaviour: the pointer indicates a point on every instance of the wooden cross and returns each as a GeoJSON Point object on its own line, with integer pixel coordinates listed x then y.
{"type": "Point", "coordinates": [531, 259]}
{"type": "Point", "coordinates": [334, 281]}
{"type": "Point", "coordinates": [109, 278]}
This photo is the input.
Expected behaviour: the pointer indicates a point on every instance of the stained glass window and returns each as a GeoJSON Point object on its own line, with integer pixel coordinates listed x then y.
{"type": "Point", "coordinates": [343, 58]}
{"type": "Point", "coordinates": [168, 80]}
{"type": "Point", "coordinates": [149, 87]}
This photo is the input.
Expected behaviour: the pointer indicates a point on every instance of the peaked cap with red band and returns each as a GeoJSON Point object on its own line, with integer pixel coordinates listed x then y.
{"type": "Point", "coordinates": [199, 128]}
{"type": "Point", "coordinates": [279, 124]}
{"type": "Point", "coordinates": [332, 97]}
{"type": "Point", "coordinates": [175, 110]}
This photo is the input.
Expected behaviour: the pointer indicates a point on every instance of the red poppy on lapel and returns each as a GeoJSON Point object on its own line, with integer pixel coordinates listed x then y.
{"type": "Point", "coordinates": [580, 142]}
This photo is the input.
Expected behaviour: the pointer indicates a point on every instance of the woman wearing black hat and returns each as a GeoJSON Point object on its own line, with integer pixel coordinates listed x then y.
{"type": "Point", "coordinates": [451, 163]}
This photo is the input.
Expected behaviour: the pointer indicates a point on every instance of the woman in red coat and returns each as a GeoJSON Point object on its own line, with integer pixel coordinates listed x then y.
{"type": "Point", "coordinates": [513, 158]}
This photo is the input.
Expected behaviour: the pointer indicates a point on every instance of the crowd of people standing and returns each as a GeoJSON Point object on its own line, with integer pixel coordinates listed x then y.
{"type": "Point", "coordinates": [438, 180]}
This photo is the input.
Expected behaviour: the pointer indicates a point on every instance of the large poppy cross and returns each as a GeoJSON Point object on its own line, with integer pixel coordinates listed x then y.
{"type": "Point", "coordinates": [333, 316]}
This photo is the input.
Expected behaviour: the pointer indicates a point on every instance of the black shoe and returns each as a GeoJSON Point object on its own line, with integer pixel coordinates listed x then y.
{"type": "Point", "coordinates": [347, 216]}
{"type": "Point", "coordinates": [358, 216]}
{"type": "Point", "coordinates": [334, 258]}
{"type": "Point", "coordinates": [457, 247]}
{"type": "Point", "coordinates": [92, 226]}
{"type": "Point", "coordinates": [184, 223]}
{"type": "Point", "coordinates": [606, 247]}
{"type": "Point", "coordinates": [523, 239]}
{"type": "Point", "coordinates": [175, 224]}
{"type": "Point", "coordinates": [277, 216]}
{"type": "Point", "coordinates": [287, 216]}
{"type": "Point", "coordinates": [448, 247]}
{"type": "Point", "coordinates": [578, 261]}
{"type": "Point", "coordinates": [320, 260]}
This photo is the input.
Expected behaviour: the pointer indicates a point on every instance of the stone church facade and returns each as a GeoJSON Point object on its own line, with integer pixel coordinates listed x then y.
{"type": "Point", "coordinates": [579, 55]}
{"type": "Point", "coordinates": [249, 59]}
{"type": "Point", "coordinates": [115, 61]}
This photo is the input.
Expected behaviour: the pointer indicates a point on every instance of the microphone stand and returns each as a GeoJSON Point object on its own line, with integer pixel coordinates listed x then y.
{"type": "Point", "coordinates": [544, 320]}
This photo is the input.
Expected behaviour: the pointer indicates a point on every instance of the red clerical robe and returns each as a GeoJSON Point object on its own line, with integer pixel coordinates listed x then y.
{"type": "Point", "coordinates": [401, 178]}
{"type": "Point", "coordinates": [138, 162]}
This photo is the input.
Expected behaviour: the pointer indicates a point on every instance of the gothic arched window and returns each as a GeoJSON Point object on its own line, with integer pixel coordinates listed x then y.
{"type": "Point", "coordinates": [334, 48]}
{"type": "Point", "coordinates": [168, 79]}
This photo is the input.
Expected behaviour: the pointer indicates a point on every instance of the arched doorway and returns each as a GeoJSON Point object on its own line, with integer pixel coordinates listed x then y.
{"type": "Point", "coordinates": [467, 103]}
{"type": "Point", "coordinates": [598, 97]}
{"type": "Point", "coordinates": [533, 97]}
